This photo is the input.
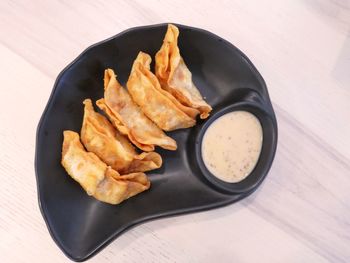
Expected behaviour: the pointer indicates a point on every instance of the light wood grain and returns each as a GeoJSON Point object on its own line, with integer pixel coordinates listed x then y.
{"type": "Point", "coordinates": [302, 48]}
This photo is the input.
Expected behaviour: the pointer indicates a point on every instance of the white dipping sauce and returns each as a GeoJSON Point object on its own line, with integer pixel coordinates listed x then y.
{"type": "Point", "coordinates": [231, 146]}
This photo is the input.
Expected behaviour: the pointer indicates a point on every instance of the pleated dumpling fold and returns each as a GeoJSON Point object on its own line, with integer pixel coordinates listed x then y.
{"type": "Point", "coordinates": [129, 119]}
{"type": "Point", "coordinates": [175, 77]}
{"type": "Point", "coordinates": [100, 137]}
{"type": "Point", "coordinates": [98, 179]}
{"type": "Point", "coordinates": [156, 103]}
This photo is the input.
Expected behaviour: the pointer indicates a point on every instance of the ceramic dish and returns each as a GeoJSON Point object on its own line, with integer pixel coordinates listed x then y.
{"type": "Point", "coordinates": [80, 225]}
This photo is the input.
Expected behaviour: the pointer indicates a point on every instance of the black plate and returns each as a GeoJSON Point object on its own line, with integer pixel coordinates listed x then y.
{"type": "Point", "coordinates": [81, 225]}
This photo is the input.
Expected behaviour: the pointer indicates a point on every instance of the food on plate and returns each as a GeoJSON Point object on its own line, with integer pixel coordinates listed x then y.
{"type": "Point", "coordinates": [231, 146]}
{"type": "Point", "coordinates": [111, 168]}
{"type": "Point", "coordinates": [98, 179]}
{"type": "Point", "coordinates": [175, 77]}
{"type": "Point", "coordinates": [100, 137]}
{"type": "Point", "coordinates": [157, 104]}
{"type": "Point", "coordinates": [128, 118]}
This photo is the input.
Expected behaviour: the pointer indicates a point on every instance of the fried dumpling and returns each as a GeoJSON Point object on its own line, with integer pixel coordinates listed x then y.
{"type": "Point", "coordinates": [116, 188]}
{"type": "Point", "coordinates": [128, 118]}
{"type": "Point", "coordinates": [157, 104]}
{"type": "Point", "coordinates": [100, 137]}
{"type": "Point", "coordinates": [98, 179]}
{"type": "Point", "coordinates": [175, 77]}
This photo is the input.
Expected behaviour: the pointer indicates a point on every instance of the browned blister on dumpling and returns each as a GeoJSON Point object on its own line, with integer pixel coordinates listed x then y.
{"type": "Point", "coordinates": [175, 77]}
{"type": "Point", "coordinates": [100, 137]}
{"type": "Point", "coordinates": [156, 103]}
{"type": "Point", "coordinates": [128, 118]}
{"type": "Point", "coordinates": [98, 179]}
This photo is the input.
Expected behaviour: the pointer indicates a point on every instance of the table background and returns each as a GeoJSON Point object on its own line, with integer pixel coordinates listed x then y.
{"type": "Point", "coordinates": [301, 213]}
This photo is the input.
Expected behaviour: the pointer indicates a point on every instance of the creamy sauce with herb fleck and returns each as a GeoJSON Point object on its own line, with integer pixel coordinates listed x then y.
{"type": "Point", "coordinates": [231, 146]}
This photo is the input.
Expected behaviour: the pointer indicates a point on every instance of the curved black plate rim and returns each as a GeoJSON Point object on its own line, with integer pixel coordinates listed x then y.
{"type": "Point", "coordinates": [133, 224]}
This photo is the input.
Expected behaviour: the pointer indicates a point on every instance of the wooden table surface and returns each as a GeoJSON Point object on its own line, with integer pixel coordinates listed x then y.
{"type": "Point", "coordinates": [301, 213]}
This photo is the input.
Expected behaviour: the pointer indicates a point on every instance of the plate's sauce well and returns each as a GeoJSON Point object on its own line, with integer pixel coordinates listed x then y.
{"type": "Point", "coordinates": [231, 146]}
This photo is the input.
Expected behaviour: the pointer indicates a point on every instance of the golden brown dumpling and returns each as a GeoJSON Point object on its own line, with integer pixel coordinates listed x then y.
{"type": "Point", "coordinates": [128, 118]}
{"type": "Point", "coordinates": [100, 137]}
{"type": "Point", "coordinates": [175, 77]}
{"type": "Point", "coordinates": [157, 104]}
{"type": "Point", "coordinates": [86, 168]}
{"type": "Point", "coordinates": [116, 188]}
{"type": "Point", "coordinates": [98, 179]}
